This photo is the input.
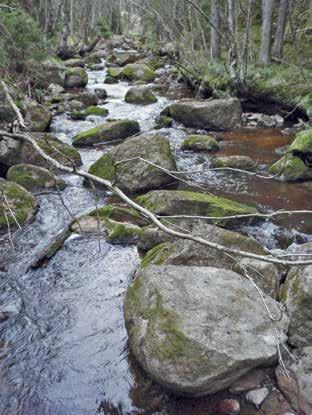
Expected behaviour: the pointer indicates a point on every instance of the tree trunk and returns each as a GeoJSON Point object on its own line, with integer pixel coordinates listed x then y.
{"type": "Point", "coordinates": [310, 4]}
{"type": "Point", "coordinates": [280, 31]}
{"type": "Point", "coordinates": [266, 38]}
{"type": "Point", "coordinates": [215, 31]}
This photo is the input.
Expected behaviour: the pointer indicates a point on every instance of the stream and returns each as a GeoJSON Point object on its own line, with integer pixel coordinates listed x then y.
{"type": "Point", "coordinates": [63, 349]}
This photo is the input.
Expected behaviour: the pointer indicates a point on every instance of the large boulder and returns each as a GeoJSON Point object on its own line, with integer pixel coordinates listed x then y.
{"type": "Point", "coordinates": [18, 201]}
{"type": "Point", "coordinates": [137, 176]}
{"type": "Point", "coordinates": [138, 72]}
{"type": "Point", "coordinates": [200, 143]}
{"type": "Point", "coordinates": [218, 114]}
{"type": "Point", "coordinates": [296, 385]}
{"type": "Point", "coordinates": [37, 117]}
{"type": "Point", "coordinates": [140, 96]}
{"type": "Point", "coordinates": [196, 330]}
{"type": "Point", "coordinates": [17, 152]}
{"type": "Point", "coordinates": [297, 297]}
{"type": "Point", "coordinates": [184, 252]}
{"type": "Point", "coordinates": [34, 178]}
{"type": "Point", "coordinates": [180, 202]}
{"type": "Point", "coordinates": [110, 131]}
{"type": "Point", "coordinates": [76, 78]}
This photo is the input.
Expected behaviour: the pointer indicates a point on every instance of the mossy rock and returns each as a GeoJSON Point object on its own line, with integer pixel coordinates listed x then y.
{"type": "Point", "coordinates": [74, 63]}
{"type": "Point", "coordinates": [120, 214]}
{"type": "Point", "coordinates": [140, 96]}
{"type": "Point", "coordinates": [138, 72]}
{"type": "Point", "coordinates": [163, 122]}
{"type": "Point", "coordinates": [124, 234]}
{"type": "Point", "coordinates": [291, 169]}
{"type": "Point", "coordinates": [200, 143]}
{"type": "Point", "coordinates": [86, 98]}
{"type": "Point", "coordinates": [137, 176]}
{"type": "Point", "coordinates": [110, 131]}
{"type": "Point", "coordinates": [16, 152]}
{"type": "Point", "coordinates": [76, 78]}
{"type": "Point", "coordinates": [22, 203]}
{"type": "Point", "coordinates": [38, 118]}
{"type": "Point", "coordinates": [302, 144]}
{"type": "Point", "coordinates": [34, 178]}
{"type": "Point", "coordinates": [296, 295]}
{"type": "Point", "coordinates": [235, 162]}
{"type": "Point", "coordinates": [92, 110]}
{"type": "Point", "coordinates": [179, 202]}
{"type": "Point", "coordinates": [115, 73]}
{"type": "Point", "coordinates": [109, 80]}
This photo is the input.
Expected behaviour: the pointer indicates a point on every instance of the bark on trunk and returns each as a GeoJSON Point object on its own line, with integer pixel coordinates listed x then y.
{"type": "Point", "coordinates": [280, 31]}
{"type": "Point", "coordinates": [266, 38]}
{"type": "Point", "coordinates": [215, 35]}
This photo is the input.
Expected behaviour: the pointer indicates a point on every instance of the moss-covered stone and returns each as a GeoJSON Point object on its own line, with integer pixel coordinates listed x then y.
{"type": "Point", "coordinates": [22, 203]}
{"type": "Point", "coordinates": [124, 234]}
{"type": "Point", "coordinates": [235, 162]}
{"type": "Point", "coordinates": [104, 168]}
{"type": "Point", "coordinates": [109, 80]}
{"type": "Point", "coordinates": [76, 78]}
{"type": "Point", "coordinates": [92, 110]}
{"type": "Point", "coordinates": [138, 72]}
{"type": "Point", "coordinates": [163, 122]}
{"type": "Point", "coordinates": [114, 73]}
{"type": "Point", "coordinates": [34, 178]}
{"type": "Point", "coordinates": [38, 118]}
{"type": "Point", "coordinates": [120, 214]}
{"type": "Point", "coordinates": [291, 169]}
{"type": "Point", "coordinates": [200, 143]}
{"type": "Point", "coordinates": [140, 96]}
{"type": "Point", "coordinates": [110, 131]}
{"type": "Point", "coordinates": [302, 144]}
{"type": "Point", "coordinates": [168, 202]}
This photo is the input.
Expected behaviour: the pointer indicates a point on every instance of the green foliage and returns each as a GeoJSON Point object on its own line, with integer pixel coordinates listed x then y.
{"type": "Point", "coordinates": [20, 39]}
{"type": "Point", "coordinates": [103, 28]}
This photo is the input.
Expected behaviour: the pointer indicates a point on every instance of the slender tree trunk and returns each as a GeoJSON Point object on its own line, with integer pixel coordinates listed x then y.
{"type": "Point", "coordinates": [215, 35]}
{"type": "Point", "coordinates": [280, 31]}
{"type": "Point", "coordinates": [266, 39]}
{"type": "Point", "coordinates": [310, 4]}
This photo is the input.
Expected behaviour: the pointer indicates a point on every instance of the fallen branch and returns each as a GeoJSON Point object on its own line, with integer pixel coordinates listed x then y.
{"type": "Point", "coordinates": [113, 188]}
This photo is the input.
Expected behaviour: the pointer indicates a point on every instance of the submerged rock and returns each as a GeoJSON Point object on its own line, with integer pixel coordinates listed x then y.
{"type": "Point", "coordinates": [22, 203]}
{"type": "Point", "coordinates": [17, 152]}
{"type": "Point", "coordinates": [136, 175]}
{"type": "Point", "coordinates": [235, 162]}
{"type": "Point", "coordinates": [138, 72]}
{"type": "Point", "coordinates": [76, 78]}
{"type": "Point", "coordinates": [34, 178]}
{"type": "Point", "coordinates": [110, 131]}
{"type": "Point", "coordinates": [200, 143]}
{"type": "Point", "coordinates": [218, 115]}
{"type": "Point", "coordinates": [140, 96]}
{"type": "Point", "coordinates": [180, 202]}
{"type": "Point", "coordinates": [196, 330]}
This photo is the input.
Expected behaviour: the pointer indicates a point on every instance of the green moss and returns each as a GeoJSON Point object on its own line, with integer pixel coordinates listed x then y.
{"type": "Point", "coordinates": [121, 214]}
{"type": "Point", "coordinates": [290, 168]}
{"type": "Point", "coordinates": [84, 135]}
{"type": "Point", "coordinates": [200, 142]}
{"type": "Point", "coordinates": [156, 255]}
{"type": "Point", "coordinates": [124, 234]}
{"type": "Point", "coordinates": [114, 73]}
{"type": "Point", "coordinates": [302, 143]}
{"type": "Point", "coordinates": [139, 72]}
{"type": "Point", "coordinates": [79, 72]}
{"type": "Point", "coordinates": [104, 168]}
{"type": "Point", "coordinates": [92, 110]}
{"type": "Point", "coordinates": [47, 143]}
{"type": "Point", "coordinates": [163, 122]}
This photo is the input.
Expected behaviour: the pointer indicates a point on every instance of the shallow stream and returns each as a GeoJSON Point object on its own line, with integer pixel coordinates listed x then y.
{"type": "Point", "coordinates": [63, 349]}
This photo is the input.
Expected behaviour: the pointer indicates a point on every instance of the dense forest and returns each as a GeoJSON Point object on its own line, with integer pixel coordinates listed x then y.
{"type": "Point", "coordinates": [155, 207]}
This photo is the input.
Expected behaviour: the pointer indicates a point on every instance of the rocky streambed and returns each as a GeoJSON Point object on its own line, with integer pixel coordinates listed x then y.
{"type": "Point", "coordinates": [64, 346]}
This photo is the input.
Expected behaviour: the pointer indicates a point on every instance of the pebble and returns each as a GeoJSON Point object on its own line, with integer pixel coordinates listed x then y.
{"type": "Point", "coordinates": [228, 407]}
{"type": "Point", "coordinates": [257, 396]}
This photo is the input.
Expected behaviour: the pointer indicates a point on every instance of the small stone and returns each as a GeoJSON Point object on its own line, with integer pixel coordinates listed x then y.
{"type": "Point", "coordinates": [249, 382]}
{"type": "Point", "coordinates": [228, 407]}
{"type": "Point", "coordinates": [257, 396]}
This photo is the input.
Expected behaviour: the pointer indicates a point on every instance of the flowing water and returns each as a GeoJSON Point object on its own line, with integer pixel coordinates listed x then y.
{"type": "Point", "coordinates": [63, 348]}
